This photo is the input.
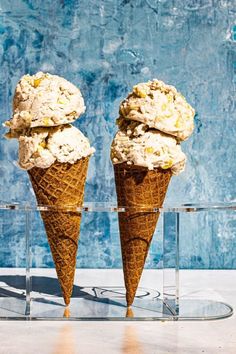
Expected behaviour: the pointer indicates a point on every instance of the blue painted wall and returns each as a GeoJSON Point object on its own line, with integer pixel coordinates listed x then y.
{"type": "Point", "coordinates": [105, 47]}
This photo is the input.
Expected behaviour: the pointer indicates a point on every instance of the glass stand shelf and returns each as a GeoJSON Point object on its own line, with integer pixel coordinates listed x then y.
{"type": "Point", "coordinates": [108, 303]}
{"type": "Point", "coordinates": [23, 296]}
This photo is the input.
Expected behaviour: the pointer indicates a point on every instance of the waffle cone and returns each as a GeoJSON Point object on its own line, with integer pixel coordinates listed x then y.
{"type": "Point", "coordinates": [138, 187]}
{"type": "Point", "coordinates": [59, 185]}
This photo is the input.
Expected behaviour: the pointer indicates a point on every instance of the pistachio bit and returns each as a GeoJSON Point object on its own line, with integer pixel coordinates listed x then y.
{"type": "Point", "coordinates": [133, 107]}
{"type": "Point", "coordinates": [178, 123]}
{"type": "Point", "coordinates": [37, 82]}
{"type": "Point", "coordinates": [188, 117]}
{"type": "Point", "coordinates": [168, 115]}
{"type": "Point", "coordinates": [169, 98]}
{"type": "Point", "coordinates": [46, 121]}
{"type": "Point", "coordinates": [7, 123]}
{"type": "Point", "coordinates": [168, 164]}
{"type": "Point", "coordinates": [149, 150]}
{"type": "Point", "coordinates": [163, 107]}
{"type": "Point", "coordinates": [139, 91]}
{"type": "Point", "coordinates": [60, 101]}
{"type": "Point", "coordinates": [43, 144]}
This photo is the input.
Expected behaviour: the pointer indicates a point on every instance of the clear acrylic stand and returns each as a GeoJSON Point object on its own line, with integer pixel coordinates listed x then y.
{"type": "Point", "coordinates": [28, 301]}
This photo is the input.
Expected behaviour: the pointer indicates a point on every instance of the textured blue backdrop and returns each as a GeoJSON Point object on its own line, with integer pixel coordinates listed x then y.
{"type": "Point", "coordinates": [105, 47]}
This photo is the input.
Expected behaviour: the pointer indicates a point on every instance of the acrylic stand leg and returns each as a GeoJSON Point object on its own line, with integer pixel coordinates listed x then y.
{"type": "Point", "coordinates": [15, 281]}
{"type": "Point", "coordinates": [171, 264]}
{"type": "Point", "coordinates": [28, 259]}
{"type": "Point", "coordinates": [174, 307]}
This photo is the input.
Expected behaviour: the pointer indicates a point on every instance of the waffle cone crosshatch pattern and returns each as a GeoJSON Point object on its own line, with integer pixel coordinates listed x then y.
{"type": "Point", "coordinates": [59, 185]}
{"type": "Point", "coordinates": [33, 293]}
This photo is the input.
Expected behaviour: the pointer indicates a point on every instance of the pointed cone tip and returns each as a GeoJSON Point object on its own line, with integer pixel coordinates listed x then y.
{"type": "Point", "coordinates": [129, 312]}
{"type": "Point", "coordinates": [67, 312]}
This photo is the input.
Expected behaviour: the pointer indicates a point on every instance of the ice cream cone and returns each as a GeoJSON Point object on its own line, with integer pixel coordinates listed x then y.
{"type": "Point", "coordinates": [62, 184]}
{"type": "Point", "coordinates": [138, 188]}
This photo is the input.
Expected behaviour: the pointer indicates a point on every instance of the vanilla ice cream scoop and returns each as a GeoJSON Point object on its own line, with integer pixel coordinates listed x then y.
{"type": "Point", "coordinates": [45, 100]}
{"type": "Point", "coordinates": [41, 147]}
{"type": "Point", "coordinates": [136, 144]}
{"type": "Point", "coordinates": [159, 106]}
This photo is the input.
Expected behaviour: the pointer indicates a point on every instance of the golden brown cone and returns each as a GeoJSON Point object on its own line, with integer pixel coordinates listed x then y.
{"type": "Point", "coordinates": [59, 185]}
{"type": "Point", "coordinates": [137, 187]}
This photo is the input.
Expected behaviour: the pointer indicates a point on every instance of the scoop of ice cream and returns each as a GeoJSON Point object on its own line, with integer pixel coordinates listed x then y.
{"type": "Point", "coordinates": [159, 106]}
{"type": "Point", "coordinates": [41, 147]}
{"type": "Point", "coordinates": [45, 100]}
{"type": "Point", "coordinates": [135, 143]}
